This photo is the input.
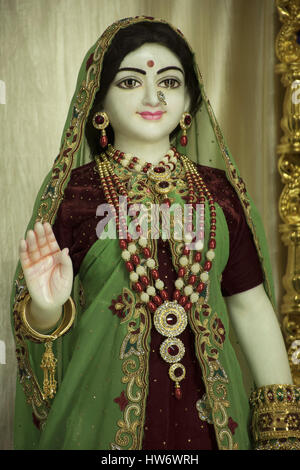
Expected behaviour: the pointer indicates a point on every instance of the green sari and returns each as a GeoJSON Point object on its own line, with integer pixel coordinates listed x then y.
{"type": "Point", "coordinates": [101, 360]}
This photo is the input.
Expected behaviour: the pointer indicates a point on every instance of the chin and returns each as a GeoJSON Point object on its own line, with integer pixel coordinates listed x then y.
{"type": "Point", "coordinates": [150, 138]}
{"type": "Point", "coordinates": [152, 134]}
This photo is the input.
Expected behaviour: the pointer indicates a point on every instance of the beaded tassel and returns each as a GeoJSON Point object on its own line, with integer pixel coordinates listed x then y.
{"type": "Point", "coordinates": [48, 365]}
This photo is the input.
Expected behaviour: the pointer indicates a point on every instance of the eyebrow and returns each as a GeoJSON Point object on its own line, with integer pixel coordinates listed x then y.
{"type": "Point", "coordinates": [133, 69]}
{"type": "Point", "coordinates": [170, 68]}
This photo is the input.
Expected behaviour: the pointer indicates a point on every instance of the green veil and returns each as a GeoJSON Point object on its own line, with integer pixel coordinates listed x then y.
{"type": "Point", "coordinates": [206, 145]}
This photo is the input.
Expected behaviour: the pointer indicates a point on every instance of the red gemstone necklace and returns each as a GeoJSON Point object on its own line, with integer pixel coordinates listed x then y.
{"type": "Point", "coordinates": [169, 315]}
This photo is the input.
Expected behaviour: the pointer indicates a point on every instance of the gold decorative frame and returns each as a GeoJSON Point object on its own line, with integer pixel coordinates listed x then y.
{"type": "Point", "coordinates": [287, 48]}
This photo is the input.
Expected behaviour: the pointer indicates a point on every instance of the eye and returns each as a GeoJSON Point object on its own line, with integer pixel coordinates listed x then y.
{"type": "Point", "coordinates": [129, 83]}
{"type": "Point", "coordinates": [170, 83]}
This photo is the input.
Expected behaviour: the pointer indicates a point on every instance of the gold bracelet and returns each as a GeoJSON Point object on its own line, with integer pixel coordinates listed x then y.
{"type": "Point", "coordinates": [276, 417]}
{"type": "Point", "coordinates": [65, 325]}
{"type": "Point", "coordinates": [49, 361]}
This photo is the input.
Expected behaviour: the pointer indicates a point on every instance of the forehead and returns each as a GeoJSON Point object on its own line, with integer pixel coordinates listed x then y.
{"type": "Point", "coordinates": [159, 54]}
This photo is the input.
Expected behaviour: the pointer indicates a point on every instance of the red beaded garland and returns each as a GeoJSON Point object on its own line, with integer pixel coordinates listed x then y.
{"type": "Point", "coordinates": [164, 294]}
{"type": "Point", "coordinates": [146, 252]}
{"type": "Point", "coordinates": [200, 287]}
{"type": "Point", "coordinates": [152, 306]}
{"type": "Point", "coordinates": [119, 157]}
{"type": "Point", "coordinates": [183, 300]}
{"type": "Point", "coordinates": [207, 265]}
{"type": "Point", "coordinates": [138, 287]}
{"type": "Point", "coordinates": [154, 274]}
{"type": "Point", "coordinates": [129, 266]}
{"type": "Point", "coordinates": [156, 299]}
{"type": "Point", "coordinates": [181, 272]}
{"type": "Point", "coordinates": [135, 259]}
{"type": "Point", "coordinates": [193, 181]}
{"type": "Point", "coordinates": [123, 244]}
{"type": "Point", "coordinates": [188, 306]}
{"type": "Point", "coordinates": [197, 192]}
{"type": "Point", "coordinates": [176, 294]}
{"type": "Point", "coordinates": [212, 244]}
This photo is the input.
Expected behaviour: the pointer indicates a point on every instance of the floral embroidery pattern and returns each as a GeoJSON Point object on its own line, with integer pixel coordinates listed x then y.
{"type": "Point", "coordinates": [210, 336]}
{"type": "Point", "coordinates": [26, 376]}
{"type": "Point", "coordinates": [89, 61]}
{"type": "Point", "coordinates": [134, 355]}
{"type": "Point", "coordinates": [121, 305]}
{"type": "Point", "coordinates": [204, 409]}
{"type": "Point", "coordinates": [122, 401]}
{"type": "Point", "coordinates": [218, 331]}
{"type": "Point", "coordinates": [232, 425]}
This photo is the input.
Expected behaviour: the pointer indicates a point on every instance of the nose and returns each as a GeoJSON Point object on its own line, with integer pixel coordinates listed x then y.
{"type": "Point", "coordinates": [150, 96]}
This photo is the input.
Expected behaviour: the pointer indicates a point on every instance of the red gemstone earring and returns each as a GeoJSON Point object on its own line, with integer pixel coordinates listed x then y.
{"type": "Point", "coordinates": [101, 121]}
{"type": "Point", "coordinates": [185, 124]}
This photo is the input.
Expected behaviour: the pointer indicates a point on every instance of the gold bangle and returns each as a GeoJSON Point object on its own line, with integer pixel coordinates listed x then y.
{"type": "Point", "coordinates": [64, 326]}
{"type": "Point", "coordinates": [276, 416]}
{"type": "Point", "coordinates": [279, 444]}
{"type": "Point", "coordinates": [49, 361]}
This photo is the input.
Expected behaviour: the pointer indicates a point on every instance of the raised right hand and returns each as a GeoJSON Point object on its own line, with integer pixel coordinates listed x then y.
{"type": "Point", "coordinates": [47, 269]}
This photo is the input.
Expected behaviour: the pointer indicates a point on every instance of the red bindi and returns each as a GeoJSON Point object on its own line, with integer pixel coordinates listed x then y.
{"type": "Point", "coordinates": [150, 63]}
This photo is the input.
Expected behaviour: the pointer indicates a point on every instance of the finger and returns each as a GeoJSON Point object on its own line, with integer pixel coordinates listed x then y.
{"type": "Point", "coordinates": [27, 264]}
{"type": "Point", "coordinates": [63, 260]}
{"type": "Point", "coordinates": [41, 239]}
{"type": "Point", "coordinates": [62, 257]}
{"type": "Point", "coordinates": [33, 250]}
{"type": "Point", "coordinates": [66, 263]}
{"type": "Point", "coordinates": [23, 253]}
{"type": "Point", "coordinates": [53, 245]}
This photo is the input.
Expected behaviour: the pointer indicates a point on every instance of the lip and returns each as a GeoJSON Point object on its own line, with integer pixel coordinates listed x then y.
{"type": "Point", "coordinates": [151, 116]}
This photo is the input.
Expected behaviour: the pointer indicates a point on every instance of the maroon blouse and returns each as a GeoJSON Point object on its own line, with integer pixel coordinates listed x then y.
{"type": "Point", "coordinates": [170, 423]}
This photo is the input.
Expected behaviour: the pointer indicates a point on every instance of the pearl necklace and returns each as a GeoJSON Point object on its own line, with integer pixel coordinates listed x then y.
{"type": "Point", "coordinates": [170, 316]}
{"type": "Point", "coordinates": [129, 161]}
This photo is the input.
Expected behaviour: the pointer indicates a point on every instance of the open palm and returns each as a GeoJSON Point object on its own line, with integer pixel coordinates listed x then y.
{"type": "Point", "coordinates": [47, 269]}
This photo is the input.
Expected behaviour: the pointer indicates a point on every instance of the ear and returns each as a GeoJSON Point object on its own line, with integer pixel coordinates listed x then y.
{"type": "Point", "coordinates": [187, 101]}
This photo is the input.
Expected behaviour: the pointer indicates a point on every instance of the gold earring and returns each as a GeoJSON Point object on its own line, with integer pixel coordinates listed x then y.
{"type": "Point", "coordinates": [185, 124]}
{"type": "Point", "coordinates": [101, 121]}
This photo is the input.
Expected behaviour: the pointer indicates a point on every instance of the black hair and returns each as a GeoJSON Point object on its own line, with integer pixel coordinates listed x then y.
{"type": "Point", "coordinates": [126, 41]}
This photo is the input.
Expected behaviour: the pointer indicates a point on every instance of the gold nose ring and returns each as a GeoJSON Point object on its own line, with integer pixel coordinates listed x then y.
{"type": "Point", "coordinates": [161, 97]}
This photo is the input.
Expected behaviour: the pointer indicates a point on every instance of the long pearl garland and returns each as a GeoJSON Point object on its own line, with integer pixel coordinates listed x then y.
{"type": "Point", "coordinates": [142, 268]}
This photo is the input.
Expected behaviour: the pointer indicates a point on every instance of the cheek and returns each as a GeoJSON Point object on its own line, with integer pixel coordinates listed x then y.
{"type": "Point", "coordinates": [176, 99]}
{"type": "Point", "coordinates": [120, 101]}
{"type": "Point", "coordinates": [176, 107]}
{"type": "Point", "coordinates": [121, 112]}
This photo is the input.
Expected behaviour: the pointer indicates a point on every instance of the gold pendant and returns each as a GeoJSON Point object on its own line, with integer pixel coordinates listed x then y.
{"type": "Point", "coordinates": [170, 320]}
{"type": "Point", "coordinates": [161, 175]}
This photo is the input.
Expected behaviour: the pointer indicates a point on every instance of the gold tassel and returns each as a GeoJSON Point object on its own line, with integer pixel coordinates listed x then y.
{"type": "Point", "coordinates": [48, 365]}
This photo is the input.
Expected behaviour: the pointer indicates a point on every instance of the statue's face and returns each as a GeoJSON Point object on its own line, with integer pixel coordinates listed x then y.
{"type": "Point", "coordinates": [132, 102]}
